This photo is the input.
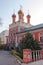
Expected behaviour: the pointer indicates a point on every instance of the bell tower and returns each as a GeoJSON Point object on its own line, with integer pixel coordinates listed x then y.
{"type": "Point", "coordinates": [21, 14]}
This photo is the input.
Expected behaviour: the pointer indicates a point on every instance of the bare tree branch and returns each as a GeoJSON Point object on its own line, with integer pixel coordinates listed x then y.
{"type": "Point", "coordinates": [1, 23]}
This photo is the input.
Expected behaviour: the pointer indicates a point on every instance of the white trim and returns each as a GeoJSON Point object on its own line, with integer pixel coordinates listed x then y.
{"type": "Point", "coordinates": [16, 41]}
{"type": "Point", "coordinates": [40, 36]}
{"type": "Point", "coordinates": [34, 36]}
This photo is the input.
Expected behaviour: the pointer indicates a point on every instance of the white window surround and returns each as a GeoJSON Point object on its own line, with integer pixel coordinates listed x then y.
{"type": "Point", "coordinates": [40, 36]}
{"type": "Point", "coordinates": [34, 36]}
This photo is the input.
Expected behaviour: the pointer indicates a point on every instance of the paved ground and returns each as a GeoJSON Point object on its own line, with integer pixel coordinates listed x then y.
{"type": "Point", "coordinates": [40, 62]}
{"type": "Point", "coordinates": [7, 59]}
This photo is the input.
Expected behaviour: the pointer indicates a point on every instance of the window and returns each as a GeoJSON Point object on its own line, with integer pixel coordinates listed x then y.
{"type": "Point", "coordinates": [41, 38]}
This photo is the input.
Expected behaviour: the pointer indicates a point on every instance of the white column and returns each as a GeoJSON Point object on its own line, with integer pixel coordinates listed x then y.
{"type": "Point", "coordinates": [19, 26]}
{"type": "Point", "coordinates": [36, 55]}
{"type": "Point", "coordinates": [16, 41]}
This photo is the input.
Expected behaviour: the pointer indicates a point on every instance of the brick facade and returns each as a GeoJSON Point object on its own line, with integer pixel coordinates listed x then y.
{"type": "Point", "coordinates": [36, 34]}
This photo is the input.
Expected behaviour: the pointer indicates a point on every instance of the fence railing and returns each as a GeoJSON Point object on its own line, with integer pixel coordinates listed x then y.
{"type": "Point", "coordinates": [32, 55]}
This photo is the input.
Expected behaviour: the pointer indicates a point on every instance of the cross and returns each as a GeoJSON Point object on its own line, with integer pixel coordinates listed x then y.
{"type": "Point", "coordinates": [28, 11]}
{"type": "Point", "coordinates": [14, 11]}
{"type": "Point", "coordinates": [20, 7]}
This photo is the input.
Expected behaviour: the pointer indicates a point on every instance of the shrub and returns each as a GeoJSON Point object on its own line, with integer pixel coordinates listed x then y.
{"type": "Point", "coordinates": [28, 42]}
{"type": "Point", "coordinates": [13, 52]}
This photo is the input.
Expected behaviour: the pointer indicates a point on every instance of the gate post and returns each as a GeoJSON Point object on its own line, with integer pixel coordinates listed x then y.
{"type": "Point", "coordinates": [42, 54]}
{"type": "Point", "coordinates": [27, 57]}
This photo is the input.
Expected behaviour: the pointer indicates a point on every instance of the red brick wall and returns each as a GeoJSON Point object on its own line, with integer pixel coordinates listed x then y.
{"type": "Point", "coordinates": [12, 32]}
{"type": "Point", "coordinates": [35, 34]}
{"type": "Point", "coordinates": [12, 35]}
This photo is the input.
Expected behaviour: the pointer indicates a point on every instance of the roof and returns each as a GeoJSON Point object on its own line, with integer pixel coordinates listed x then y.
{"type": "Point", "coordinates": [31, 28]}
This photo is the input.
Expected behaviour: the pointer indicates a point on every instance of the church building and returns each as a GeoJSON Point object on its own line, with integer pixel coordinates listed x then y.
{"type": "Point", "coordinates": [18, 29]}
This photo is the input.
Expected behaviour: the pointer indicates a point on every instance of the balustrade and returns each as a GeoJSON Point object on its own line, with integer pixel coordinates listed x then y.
{"type": "Point", "coordinates": [33, 55]}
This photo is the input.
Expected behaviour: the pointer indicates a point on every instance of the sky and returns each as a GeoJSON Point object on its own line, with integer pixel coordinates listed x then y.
{"type": "Point", "coordinates": [8, 7]}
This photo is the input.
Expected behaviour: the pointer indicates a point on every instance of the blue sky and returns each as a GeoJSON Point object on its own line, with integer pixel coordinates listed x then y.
{"type": "Point", "coordinates": [7, 8]}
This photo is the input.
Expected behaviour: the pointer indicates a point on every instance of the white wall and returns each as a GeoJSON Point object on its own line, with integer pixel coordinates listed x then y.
{"type": "Point", "coordinates": [3, 35]}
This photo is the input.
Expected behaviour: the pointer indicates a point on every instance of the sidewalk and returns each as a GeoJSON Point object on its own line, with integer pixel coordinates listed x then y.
{"type": "Point", "coordinates": [40, 62]}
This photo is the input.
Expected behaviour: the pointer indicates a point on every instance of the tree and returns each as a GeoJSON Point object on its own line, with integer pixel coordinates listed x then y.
{"type": "Point", "coordinates": [28, 42]}
{"type": "Point", "coordinates": [1, 23]}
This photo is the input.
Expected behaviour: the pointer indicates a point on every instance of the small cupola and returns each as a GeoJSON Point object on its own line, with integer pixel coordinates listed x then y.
{"type": "Point", "coordinates": [28, 18]}
{"type": "Point", "coordinates": [14, 17]}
